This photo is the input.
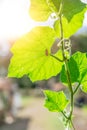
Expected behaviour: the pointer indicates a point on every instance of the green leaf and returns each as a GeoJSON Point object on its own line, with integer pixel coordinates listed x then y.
{"type": "Point", "coordinates": [81, 60]}
{"type": "Point", "coordinates": [70, 28]}
{"type": "Point", "coordinates": [72, 7]}
{"type": "Point", "coordinates": [78, 70]}
{"type": "Point", "coordinates": [31, 55]}
{"type": "Point", "coordinates": [55, 101]}
{"type": "Point", "coordinates": [54, 5]}
{"type": "Point", "coordinates": [69, 7]}
{"type": "Point", "coordinates": [73, 69]}
{"type": "Point", "coordinates": [40, 10]}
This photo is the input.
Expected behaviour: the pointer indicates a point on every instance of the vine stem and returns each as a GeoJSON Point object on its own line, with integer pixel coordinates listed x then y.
{"type": "Point", "coordinates": [66, 66]}
{"type": "Point", "coordinates": [76, 88]}
{"type": "Point", "coordinates": [72, 125]}
{"type": "Point", "coordinates": [64, 115]}
{"type": "Point", "coordinates": [56, 58]}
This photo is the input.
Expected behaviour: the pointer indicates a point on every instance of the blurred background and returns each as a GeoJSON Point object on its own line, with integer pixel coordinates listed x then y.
{"type": "Point", "coordinates": [21, 101]}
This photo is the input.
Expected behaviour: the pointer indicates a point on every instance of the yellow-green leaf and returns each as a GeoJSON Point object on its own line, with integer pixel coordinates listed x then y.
{"type": "Point", "coordinates": [31, 55]}
{"type": "Point", "coordinates": [70, 27]}
{"type": "Point", "coordinates": [55, 101]}
{"type": "Point", "coordinates": [40, 10]}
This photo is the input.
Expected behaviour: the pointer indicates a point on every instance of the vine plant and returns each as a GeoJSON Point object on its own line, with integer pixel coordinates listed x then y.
{"type": "Point", "coordinates": [45, 52]}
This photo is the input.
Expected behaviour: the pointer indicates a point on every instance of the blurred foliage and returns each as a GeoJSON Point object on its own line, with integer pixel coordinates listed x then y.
{"type": "Point", "coordinates": [25, 82]}
{"type": "Point", "coordinates": [79, 43]}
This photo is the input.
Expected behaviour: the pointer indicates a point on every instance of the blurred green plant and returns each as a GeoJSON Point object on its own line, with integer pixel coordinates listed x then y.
{"type": "Point", "coordinates": [45, 52]}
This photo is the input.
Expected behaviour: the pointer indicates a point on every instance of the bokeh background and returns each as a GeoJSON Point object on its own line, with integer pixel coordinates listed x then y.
{"type": "Point", "coordinates": [21, 101]}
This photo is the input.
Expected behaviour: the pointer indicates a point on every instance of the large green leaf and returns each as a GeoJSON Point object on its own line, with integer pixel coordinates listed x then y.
{"type": "Point", "coordinates": [69, 28]}
{"type": "Point", "coordinates": [31, 55]}
{"type": "Point", "coordinates": [40, 10]}
{"type": "Point", "coordinates": [78, 70]}
{"type": "Point", "coordinates": [55, 101]}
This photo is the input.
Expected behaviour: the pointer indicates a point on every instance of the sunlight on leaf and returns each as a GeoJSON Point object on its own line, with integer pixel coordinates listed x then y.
{"type": "Point", "coordinates": [70, 28]}
{"type": "Point", "coordinates": [40, 10]}
{"type": "Point", "coordinates": [31, 55]}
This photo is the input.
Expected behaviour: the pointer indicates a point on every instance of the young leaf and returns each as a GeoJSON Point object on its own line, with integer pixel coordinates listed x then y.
{"type": "Point", "coordinates": [31, 55]}
{"type": "Point", "coordinates": [55, 101]}
{"type": "Point", "coordinates": [78, 70]}
{"type": "Point", "coordinates": [69, 28]}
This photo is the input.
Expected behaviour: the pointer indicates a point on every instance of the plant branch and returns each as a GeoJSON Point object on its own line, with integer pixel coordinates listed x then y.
{"type": "Point", "coordinates": [56, 58]}
{"type": "Point", "coordinates": [76, 88]}
{"type": "Point", "coordinates": [72, 125]}
{"type": "Point", "coordinates": [64, 115]}
{"type": "Point", "coordinates": [70, 87]}
{"type": "Point", "coordinates": [61, 34]}
{"type": "Point", "coordinates": [66, 65]}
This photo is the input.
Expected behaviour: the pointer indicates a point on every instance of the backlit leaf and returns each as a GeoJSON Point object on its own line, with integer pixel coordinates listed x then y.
{"type": "Point", "coordinates": [40, 10]}
{"type": "Point", "coordinates": [55, 101]}
{"type": "Point", "coordinates": [69, 7]}
{"type": "Point", "coordinates": [70, 28]}
{"type": "Point", "coordinates": [72, 7]}
{"type": "Point", "coordinates": [31, 55]}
